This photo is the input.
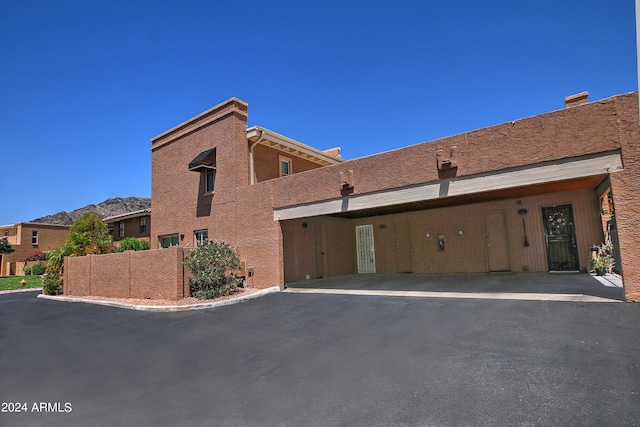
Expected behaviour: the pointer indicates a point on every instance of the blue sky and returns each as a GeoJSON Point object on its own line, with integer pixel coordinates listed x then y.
{"type": "Point", "coordinates": [86, 84]}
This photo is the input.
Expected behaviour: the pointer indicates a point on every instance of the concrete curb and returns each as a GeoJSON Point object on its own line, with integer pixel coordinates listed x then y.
{"type": "Point", "coordinates": [469, 295]}
{"type": "Point", "coordinates": [17, 291]}
{"type": "Point", "coordinates": [166, 308]}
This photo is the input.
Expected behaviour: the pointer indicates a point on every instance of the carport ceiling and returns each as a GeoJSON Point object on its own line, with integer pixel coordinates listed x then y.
{"type": "Point", "coordinates": [590, 182]}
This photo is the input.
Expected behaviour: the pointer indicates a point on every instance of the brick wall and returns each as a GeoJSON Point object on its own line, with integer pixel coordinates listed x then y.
{"type": "Point", "coordinates": [153, 274]}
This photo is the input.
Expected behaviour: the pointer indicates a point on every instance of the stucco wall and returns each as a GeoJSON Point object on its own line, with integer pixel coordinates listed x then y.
{"type": "Point", "coordinates": [333, 239]}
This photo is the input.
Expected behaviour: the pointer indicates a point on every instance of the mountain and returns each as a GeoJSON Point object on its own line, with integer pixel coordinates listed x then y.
{"type": "Point", "coordinates": [109, 207]}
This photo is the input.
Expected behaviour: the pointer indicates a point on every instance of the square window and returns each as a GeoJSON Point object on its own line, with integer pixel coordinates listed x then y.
{"type": "Point", "coordinates": [201, 236]}
{"type": "Point", "coordinates": [172, 240]}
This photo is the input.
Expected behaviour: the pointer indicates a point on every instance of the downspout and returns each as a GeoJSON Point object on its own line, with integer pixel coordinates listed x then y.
{"type": "Point", "coordinates": [252, 179]}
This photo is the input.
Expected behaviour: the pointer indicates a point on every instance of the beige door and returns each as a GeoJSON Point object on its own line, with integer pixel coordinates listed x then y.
{"type": "Point", "coordinates": [365, 249]}
{"type": "Point", "coordinates": [497, 243]}
{"type": "Point", "coordinates": [403, 247]}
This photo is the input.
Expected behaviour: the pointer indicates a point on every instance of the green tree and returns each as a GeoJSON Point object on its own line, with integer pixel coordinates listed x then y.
{"type": "Point", "coordinates": [5, 247]}
{"type": "Point", "coordinates": [90, 235]}
{"type": "Point", "coordinates": [213, 265]}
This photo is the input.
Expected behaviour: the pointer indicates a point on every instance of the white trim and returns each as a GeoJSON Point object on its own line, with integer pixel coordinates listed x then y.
{"type": "Point", "coordinates": [559, 170]}
{"type": "Point", "coordinates": [272, 139]}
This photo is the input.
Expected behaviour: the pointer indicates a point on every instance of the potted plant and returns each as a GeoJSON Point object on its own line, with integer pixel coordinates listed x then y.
{"type": "Point", "coordinates": [602, 260]}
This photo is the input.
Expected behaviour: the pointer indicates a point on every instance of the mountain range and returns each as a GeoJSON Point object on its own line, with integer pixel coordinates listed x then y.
{"type": "Point", "coordinates": [110, 207]}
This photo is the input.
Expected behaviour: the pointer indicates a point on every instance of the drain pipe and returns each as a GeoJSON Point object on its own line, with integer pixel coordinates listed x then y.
{"type": "Point", "coordinates": [252, 178]}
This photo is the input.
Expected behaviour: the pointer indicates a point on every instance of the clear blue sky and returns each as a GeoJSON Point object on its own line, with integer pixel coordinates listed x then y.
{"type": "Point", "coordinates": [86, 84]}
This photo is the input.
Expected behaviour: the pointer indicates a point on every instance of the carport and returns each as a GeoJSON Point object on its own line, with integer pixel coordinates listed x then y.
{"type": "Point", "coordinates": [533, 219]}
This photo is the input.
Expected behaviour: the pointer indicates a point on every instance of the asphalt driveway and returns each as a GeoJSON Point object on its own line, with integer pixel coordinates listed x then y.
{"type": "Point", "coordinates": [309, 359]}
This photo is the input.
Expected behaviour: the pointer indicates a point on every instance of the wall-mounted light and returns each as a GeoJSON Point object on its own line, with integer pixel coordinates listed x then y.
{"type": "Point", "coordinates": [305, 225]}
{"type": "Point", "coordinates": [522, 211]}
{"type": "Point", "coordinates": [181, 236]}
{"type": "Point", "coordinates": [428, 234]}
{"type": "Point", "coordinates": [460, 232]}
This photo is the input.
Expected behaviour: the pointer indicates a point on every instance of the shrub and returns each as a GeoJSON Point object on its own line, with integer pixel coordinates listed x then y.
{"type": "Point", "coordinates": [55, 258]}
{"type": "Point", "coordinates": [27, 271]}
{"type": "Point", "coordinates": [131, 244]}
{"type": "Point", "coordinates": [37, 269]}
{"type": "Point", "coordinates": [213, 265]}
{"type": "Point", "coordinates": [52, 284]}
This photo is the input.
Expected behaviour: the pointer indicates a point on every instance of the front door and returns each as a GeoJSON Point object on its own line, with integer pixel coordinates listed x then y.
{"type": "Point", "coordinates": [497, 244]}
{"type": "Point", "coordinates": [560, 236]}
{"type": "Point", "coordinates": [365, 249]}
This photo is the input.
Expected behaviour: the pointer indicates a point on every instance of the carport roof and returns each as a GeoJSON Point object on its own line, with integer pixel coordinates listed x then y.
{"type": "Point", "coordinates": [559, 175]}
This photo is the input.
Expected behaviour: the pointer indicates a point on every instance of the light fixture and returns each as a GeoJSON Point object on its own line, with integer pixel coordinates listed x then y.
{"type": "Point", "coordinates": [460, 232]}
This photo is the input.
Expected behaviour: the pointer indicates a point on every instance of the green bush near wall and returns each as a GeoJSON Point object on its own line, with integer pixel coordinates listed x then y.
{"type": "Point", "coordinates": [131, 244]}
{"type": "Point", "coordinates": [213, 265]}
{"type": "Point", "coordinates": [37, 269]}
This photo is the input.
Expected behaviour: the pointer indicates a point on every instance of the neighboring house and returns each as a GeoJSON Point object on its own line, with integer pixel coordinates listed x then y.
{"type": "Point", "coordinates": [26, 238]}
{"type": "Point", "coordinates": [523, 196]}
{"type": "Point", "coordinates": [135, 224]}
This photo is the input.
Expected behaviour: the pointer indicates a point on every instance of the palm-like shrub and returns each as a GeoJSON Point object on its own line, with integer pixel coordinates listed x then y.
{"type": "Point", "coordinates": [214, 266]}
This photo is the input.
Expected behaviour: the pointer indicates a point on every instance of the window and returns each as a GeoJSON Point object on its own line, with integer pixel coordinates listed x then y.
{"type": "Point", "coordinates": [285, 166]}
{"type": "Point", "coordinates": [122, 229]}
{"type": "Point", "coordinates": [201, 236]}
{"type": "Point", "coordinates": [34, 237]}
{"type": "Point", "coordinates": [6, 234]}
{"type": "Point", "coordinates": [209, 180]}
{"type": "Point", "coordinates": [167, 241]}
{"type": "Point", "coordinates": [143, 225]}
{"type": "Point", "coordinates": [110, 228]}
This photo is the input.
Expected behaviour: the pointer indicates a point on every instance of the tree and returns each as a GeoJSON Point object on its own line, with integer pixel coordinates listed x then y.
{"type": "Point", "coordinates": [5, 247]}
{"type": "Point", "coordinates": [213, 265]}
{"type": "Point", "coordinates": [90, 235]}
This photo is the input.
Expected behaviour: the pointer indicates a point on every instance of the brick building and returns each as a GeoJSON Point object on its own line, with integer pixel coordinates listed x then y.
{"type": "Point", "coordinates": [26, 238]}
{"type": "Point", "coordinates": [136, 224]}
{"type": "Point", "coordinates": [523, 196]}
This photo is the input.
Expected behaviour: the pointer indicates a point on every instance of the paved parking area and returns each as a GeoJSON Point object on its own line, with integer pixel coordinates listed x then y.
{"type": "Point", "coordinates": [322, 360]}
{"type": "Point", "coordinates": [537, 286]}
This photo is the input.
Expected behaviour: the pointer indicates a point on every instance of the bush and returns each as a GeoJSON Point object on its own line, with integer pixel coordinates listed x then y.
{"type": "Point", "coordinates": [52, 284]}
{"type": "Point", "coordinates": [27, 271]}
{"type": "Point", "coordinates": [35, 256]}
{"type": "Point", "coordinates": [37, 269]}
{"type": "Point", "coordinates": [131, 244]}
{"type": "Point", "coordinates": [213, 265]}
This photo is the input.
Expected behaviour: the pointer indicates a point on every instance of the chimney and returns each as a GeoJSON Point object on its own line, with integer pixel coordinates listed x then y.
{"type": "Point", "coordinates": [335, 152]}
{"type": "Point", "coordinates": [576, 100]}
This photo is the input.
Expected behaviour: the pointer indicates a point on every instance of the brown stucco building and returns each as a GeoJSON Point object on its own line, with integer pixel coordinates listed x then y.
{"type": "Point", "coordinates": [463, 204]}
{"type": "Point", "coordinates": [26, 238]}
{"type": "Point", "coordinates": [136, 224]}
{"type": "Point", "coordinates": [523, 196]}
